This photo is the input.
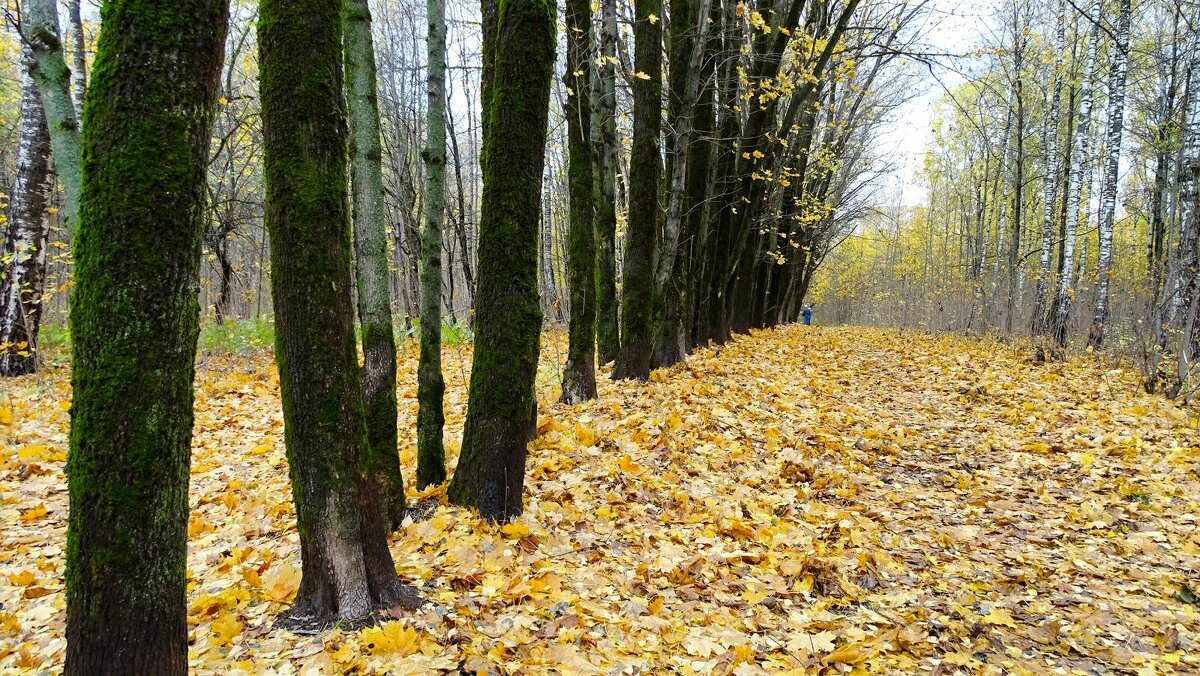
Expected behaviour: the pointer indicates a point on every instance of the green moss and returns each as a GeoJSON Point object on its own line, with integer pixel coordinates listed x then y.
{"type": "Point", "coordinates": [637, 289]}
{"type": "Point", "coordinates": [134, 329]}
{"type": "Point", "coordinates": [501, 406]}
{"type": "Point", "coordinates": [579, 374]}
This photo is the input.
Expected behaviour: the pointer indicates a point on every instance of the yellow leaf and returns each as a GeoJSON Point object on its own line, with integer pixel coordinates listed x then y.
{"type": "Point", "coordinates": [225, 628]}
{"type": "Point", "coordinates": [640, 75]}
{"type": "Point", "coordinates": [515, 530]}
{"type": "Point", "coordinates": [1000, 617]}
{"type": "Point", "coordinates": [653, 18]}
{"type": "Point", "coordinates": [392, 638]}
{"type": "Point", "coordinates": [33, 514]}
{"type": "Point", "coordinates": [281, 582]}
{"type": "Point", "coordinates": [5, 415]}
{"type": "Point", "coordinates": [22, 579]}
{"type": "Point", "coordinates": [30, 452]}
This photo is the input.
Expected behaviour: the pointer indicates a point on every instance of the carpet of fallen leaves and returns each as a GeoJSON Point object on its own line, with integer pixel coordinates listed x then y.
{"type": "Point", "coordinates": [799, 501]}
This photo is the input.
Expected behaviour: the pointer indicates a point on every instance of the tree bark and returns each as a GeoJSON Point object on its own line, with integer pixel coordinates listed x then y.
{"type": "Point", "coordinates": [579, 373]}
{"type": "Point", "coordinates": [431, 463]}
{"type": "Point", "coordinates": [641, 237]}
{"type": "Point", "coordinates": [371, 263]}
{"type": "Point", "coordinates": [347, 570]}
{"type": "Point", "coordinates": [1188, 267]}
{"type": "Point", "coordinates": [134, 327]}
{"type": "Point", "coordinates": [1061, 308]}
{"type": "Point", "coordinates": [518, 55]}
{"type": "Point", "coordinates": [1108, 196]}
{"type": "Point", "coordinates": [54, 82]}
{"type": "Point", "coordinates": [78, 57]}
{"type": "Point", "coordinates": [604, 119]}
{"type": "Point", "coordinates": [24, 277]}
{"type": "Point", "coordinates": [1041, 323]}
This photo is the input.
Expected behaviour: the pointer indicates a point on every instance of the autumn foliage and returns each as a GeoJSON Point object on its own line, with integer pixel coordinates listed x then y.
{"type": "Point", "coordinates": [798, 501]}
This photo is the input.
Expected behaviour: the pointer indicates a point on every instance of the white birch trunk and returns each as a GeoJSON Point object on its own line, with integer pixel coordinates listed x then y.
{"type": "Point", "coordinates": [1066, 282]}
{"type": "Point", "coordinates": [1187, 296]}
{"type": "Point", "coordinates": [1050, 184]}
{"type": "Point", "coordinates": [1108, 190]}
{"type": "Point", "coordinates": [23, 281]}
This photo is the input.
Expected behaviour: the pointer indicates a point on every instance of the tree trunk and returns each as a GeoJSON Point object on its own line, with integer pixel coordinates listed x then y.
{"type": "Point", "coordinates": [431, 462]}
{"type": "Point", "coordinates": [371, 263]}
{"type": "Point", "coordinates": [1041, 323]}
{"type": "Point", "coordinates": [53, 79]}
{"type": "Point", "coordinates": [78, 57]}
{"type": "Point", "coordinates": [1188, 285]}
{"type": "Point", "coordinates": [518, 52]}
{"type": "Point", "coordinates": [604, 121]}
{"type": "Point", "coordinates": [641, 237]}
{"type": "Point", "coordinates": [1061, 308]}
{"type": "Point", "coordinates": [1108, 196]}
{"type": "Point", "coordinates": [134, 326]}
{"type": "Point", "coordinates": [347, 570]}
{"type": "Point", "coordinates": [24, 276]}
{"type": "Point", "coordinates": [579, 373]}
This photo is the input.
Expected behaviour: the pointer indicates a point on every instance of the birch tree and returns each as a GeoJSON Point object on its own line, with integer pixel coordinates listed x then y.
{"type": "Point", "coordinates": [24, 276]}
{"type": "Point", "coordinates": [1108, 190]}
{"type": "Point", "coordinates": [1061, 308]}
{"type": "Point", "coordinates": [1041, 323]}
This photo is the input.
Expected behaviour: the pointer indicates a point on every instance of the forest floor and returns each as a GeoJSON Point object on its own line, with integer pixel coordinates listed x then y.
{"type": "Point", "coordinates": [802, 500]}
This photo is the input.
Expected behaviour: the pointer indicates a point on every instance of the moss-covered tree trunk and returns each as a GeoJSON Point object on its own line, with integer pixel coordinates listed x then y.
{"type": "Point", "coordinates": [53, 78]}
{"type": "Point", "coordinates": [579, 374]}
{"type": "Point", "coordinates": [371, 263]}
{"type": "Point", "coordinates": [501, 409]}
{"type": "Point", "coordinates": [431, 389]}
{"type": "Point", "coordinates": [604, 124]}
{"type": "Point", "coordinates": [134, 325]}
{"type": "Point", "coordinates": [23, 259]}
{"type": "Point", "coordinates": [641, 238]}
{"type": "Point", "coordinates": [346, 567]}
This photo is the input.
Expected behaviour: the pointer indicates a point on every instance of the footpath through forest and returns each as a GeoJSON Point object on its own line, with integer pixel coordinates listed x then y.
{"type": "Point", "coordinates": [805, 500]}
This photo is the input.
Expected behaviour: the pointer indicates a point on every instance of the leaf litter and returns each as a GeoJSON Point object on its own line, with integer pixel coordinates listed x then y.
{"type": "Point", "coordinates": [804, 501]}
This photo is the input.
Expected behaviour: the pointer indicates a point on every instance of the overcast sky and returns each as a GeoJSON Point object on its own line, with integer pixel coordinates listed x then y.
{"type": "Point", "coordinates": [958, 29]}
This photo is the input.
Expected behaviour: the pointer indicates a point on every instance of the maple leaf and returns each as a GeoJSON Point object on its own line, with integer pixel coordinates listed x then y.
{"type": "Point", "coordinates": [225, 628]}
{"type": "Point", "coordinates": [391, 638]}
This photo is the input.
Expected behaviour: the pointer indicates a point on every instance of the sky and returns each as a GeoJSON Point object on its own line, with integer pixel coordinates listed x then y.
{"type": "Point", "coordinates": [958, 26]}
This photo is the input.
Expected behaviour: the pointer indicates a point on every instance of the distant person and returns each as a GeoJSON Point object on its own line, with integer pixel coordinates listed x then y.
{"type": "Point", "coordinates": [806, 315]}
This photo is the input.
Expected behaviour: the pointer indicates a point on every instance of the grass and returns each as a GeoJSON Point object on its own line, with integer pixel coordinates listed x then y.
{"type": "Point", "coordinates": [241, 336]}
{"type": "Point", "coordinates": [238, 336]}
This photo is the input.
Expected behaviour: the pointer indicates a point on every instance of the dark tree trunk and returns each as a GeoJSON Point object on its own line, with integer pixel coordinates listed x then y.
{"type": "Point", "coordinates": [134, 325]}
{"type": "Point", "coordinates": [431, 389]}
{"type": "Point", "coordinates": [518, 53]}
{"type": "Point", "coordinates": [641, 237]}
{"type": "Point", "coordinates": [371, 263]}
{"type": "Point", "coordinates": [347, 569]}
{"type": "Point", "coordinates": [604, 123]}
{"type": "Point", "coordinates": [579, 374]}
